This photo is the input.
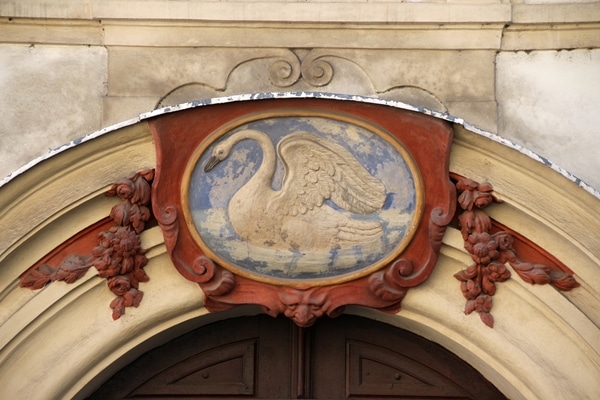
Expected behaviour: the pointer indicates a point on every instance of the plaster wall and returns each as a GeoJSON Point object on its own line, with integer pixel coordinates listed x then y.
{"type": "Point", "coordinates": [60, 341]}
{"type": "Point", "coordinates": [548, 102]}
{"type": "Point", "coordinates": [526, 70]}
{"type": "Point", "coordinates": [70, 68]}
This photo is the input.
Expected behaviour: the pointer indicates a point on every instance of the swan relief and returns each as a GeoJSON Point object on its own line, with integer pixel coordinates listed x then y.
{"type": "Point", "coordinates": [297, 217]}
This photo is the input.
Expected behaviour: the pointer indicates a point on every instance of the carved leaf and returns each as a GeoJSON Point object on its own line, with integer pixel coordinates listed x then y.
{"type": "Point", "coordinates": [465, 200]}
{"type": "Point", "coordinates": [466, 274]}
{"type": "Point", "coordinates": [475, 221]}
{"type": "Point", "coordinates": [487, 319]}
{"type": "Point", "coordinates": [73, 268]}
{"type": "Point", "coordinates": [133, 298]}
{"type": "Point", "coordinates": [562, 281]}
{"type": "Point", "coordinates": [487, 285]}
{"type": "Point", "coordinates": [37, 278]}
{"type": "Point", "coordinates": [470, 306]}
{"type": "Point", "coordinates": [118, 307]}
{"type": "Point", "coordinates": [142, 191]}
{"type": "Point", "coordinates": [532, 273]}
{"type": "Point", "coordinates": [147, 174]}
{"type": "Point", "coordinates": [136, 276]}
{"type": "Point", "coordinates": [121, 213]}
{"type": "Point", "coordinates": [138, 218]}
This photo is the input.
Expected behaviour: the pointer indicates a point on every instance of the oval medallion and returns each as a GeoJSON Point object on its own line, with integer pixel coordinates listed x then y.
{"type": "Point", "coordinates": [302, 198]}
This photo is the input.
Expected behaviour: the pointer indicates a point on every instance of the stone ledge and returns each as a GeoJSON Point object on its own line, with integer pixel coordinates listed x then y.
{"type": "Point", "coordinates": [327, 11]}
{"type": "Point", "coordinates": [555, 13]}
{"type": "Point", "coordinates": [417, 36]}
{"type": "Point", "coordinates": [51, 32]}
{"type": "Point", "coordinates": [551, 37]}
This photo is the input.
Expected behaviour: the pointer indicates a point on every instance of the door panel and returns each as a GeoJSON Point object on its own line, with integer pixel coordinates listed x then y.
{"type": "Point", "coordinates": [225, 370]}
{"type": "Point", "coordinates": [375, 360]}
{"type": "Point", "coordinates": [378, 372]}
{"type": "Point", "coordinates": [271, 358]}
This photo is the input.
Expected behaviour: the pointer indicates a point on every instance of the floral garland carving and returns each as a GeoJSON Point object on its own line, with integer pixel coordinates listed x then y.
{"type": "Point", "coordinates": [119, 257]}
{"type": "Point", "coordinates": [491, 252]}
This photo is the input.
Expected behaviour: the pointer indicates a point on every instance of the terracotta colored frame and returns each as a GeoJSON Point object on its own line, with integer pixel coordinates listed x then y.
{"type": "Point", "coordinates": [427, 139]}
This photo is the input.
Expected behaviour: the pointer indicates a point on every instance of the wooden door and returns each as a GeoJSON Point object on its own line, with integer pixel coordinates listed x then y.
{"type": "Point", "coordinates": [265, 358]}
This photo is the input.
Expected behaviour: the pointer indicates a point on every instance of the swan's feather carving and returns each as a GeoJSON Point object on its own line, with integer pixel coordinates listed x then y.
{"type": "Point", "coordinates": [319, 169]}
{"type": "Point", "coordinates": [295, 217]}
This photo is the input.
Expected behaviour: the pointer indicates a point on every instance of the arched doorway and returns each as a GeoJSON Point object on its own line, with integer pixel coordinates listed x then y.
{"type": "Point", "coordinates": [544, 344]}
{"type": "Point", "coordinates": [267, 358]}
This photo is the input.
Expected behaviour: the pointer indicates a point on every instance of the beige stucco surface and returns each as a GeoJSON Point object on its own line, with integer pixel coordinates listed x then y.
{"type": "Point", "coordinates": [51, 94]}
{"type": "Point", "coordinates": [548, 102]}
{"type": "Point", "coordinates": [527, 70]}
{"type": "Point", "coordinates": [544, 344]}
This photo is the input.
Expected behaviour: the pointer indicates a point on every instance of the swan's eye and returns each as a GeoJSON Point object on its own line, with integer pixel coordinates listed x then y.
{"type": "Point", "coordinates": [220, 153]}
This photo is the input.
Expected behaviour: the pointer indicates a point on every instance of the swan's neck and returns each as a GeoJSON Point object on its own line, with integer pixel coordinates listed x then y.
{"type": "Point", "coordinates": [262, 178]}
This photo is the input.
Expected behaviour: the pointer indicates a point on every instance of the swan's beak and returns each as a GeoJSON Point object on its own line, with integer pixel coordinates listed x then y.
{"type": "Point", "coordinates": [211, 163]}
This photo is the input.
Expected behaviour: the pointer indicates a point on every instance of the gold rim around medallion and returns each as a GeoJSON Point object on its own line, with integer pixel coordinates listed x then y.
{"type": "Point", "coordinates": [291, 113]}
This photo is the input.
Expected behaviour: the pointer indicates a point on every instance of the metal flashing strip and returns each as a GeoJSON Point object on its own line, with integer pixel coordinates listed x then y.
{"type": "Point", "coordinates": [315, 95]}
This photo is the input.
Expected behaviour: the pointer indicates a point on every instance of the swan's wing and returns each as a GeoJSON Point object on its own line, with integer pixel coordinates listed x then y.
{"type": "Point", "coordinates": [318, 169]}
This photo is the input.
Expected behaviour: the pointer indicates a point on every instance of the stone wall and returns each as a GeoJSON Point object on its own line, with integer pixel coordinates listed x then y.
{"type": "Point", "coordinates": [526, 70]}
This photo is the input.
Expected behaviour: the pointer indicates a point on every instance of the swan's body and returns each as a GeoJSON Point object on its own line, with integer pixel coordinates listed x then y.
{"type": "Point", "coordinates": [295, 217]}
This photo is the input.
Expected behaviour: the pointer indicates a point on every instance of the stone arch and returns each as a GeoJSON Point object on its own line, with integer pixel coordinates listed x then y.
{"type": "Point", "coordinates": [59, 342]}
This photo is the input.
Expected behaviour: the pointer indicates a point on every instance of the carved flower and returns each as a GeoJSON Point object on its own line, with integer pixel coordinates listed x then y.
{"type": "Point", "coordinates": [482, 303]}
{"type": "Point", "coordinates": [474, 194]}
{"type": "Point", "coordinates": [135, 189]}
{"type": "Point", "coordinates": [497, 272]}
{"type": "Point", "coordinates": [492, 273]}
{"type": "Point", "coordinates": [483, 195]}
{"type": "Point", "coordinates": [504, 239]}
{"type": "Point", "coordinates": [119, 285]}
{"type": "Point", "coordinates": [474, 221]}
{"type": "Point", "coordinates": [483, 247]}
{"type": "Point", "coordinates": [470, 289]}
{"type": "Point", "coordinates": [126, 213]}
{"type": "Point", "coordinates": [119, 252]}
{"type": "Point", "coordinates": [125, 188]}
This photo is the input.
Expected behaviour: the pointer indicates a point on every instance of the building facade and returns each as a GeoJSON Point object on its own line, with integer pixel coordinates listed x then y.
{"type": "Point", "coordinates": [85, 83]}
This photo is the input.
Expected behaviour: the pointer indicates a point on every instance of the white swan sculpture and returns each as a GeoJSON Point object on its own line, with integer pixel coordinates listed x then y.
{"type": "Point", "coordinates": [295, 217]}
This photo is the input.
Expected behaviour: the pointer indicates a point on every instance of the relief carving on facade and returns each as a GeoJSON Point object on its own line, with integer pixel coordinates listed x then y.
{"type": "Point", "coordinates": [491, 248]}
{"type": "Point", "coordinates": [287, 70]}
{"type": "Point", "coordinates": [118, 256]}
{"type": "Point", "coordinates": [302, 206]}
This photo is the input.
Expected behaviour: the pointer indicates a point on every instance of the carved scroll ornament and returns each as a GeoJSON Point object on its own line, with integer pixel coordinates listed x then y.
{"type": "Point", "coordinates": [118, 256]}
{"type": "Point", "coordinates": [491, 249]}
{"type": "Point", "coordinates": [288, 70]}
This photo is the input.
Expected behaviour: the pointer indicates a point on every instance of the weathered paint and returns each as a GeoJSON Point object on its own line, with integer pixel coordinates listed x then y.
{"type": "Point", "coordinates": [318, 95]}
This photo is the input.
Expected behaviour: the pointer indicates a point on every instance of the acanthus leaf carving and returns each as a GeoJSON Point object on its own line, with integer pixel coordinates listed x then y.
{"type": "Point", "coordinates": [491, 251]}
{"type": "Point", "coordinates": [118, 256]}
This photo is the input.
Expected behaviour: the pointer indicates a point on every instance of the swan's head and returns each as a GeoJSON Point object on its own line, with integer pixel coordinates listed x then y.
{"type": "Point", "coordinates": [220, 152]}
{"type": "Point", "coordinates": [223, 148]}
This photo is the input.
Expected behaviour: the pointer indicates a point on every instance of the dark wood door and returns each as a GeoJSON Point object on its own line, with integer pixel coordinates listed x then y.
{"type": "Point", "coordinates": [271, 358]}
